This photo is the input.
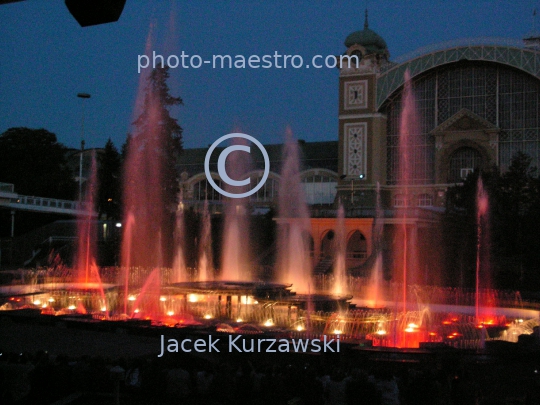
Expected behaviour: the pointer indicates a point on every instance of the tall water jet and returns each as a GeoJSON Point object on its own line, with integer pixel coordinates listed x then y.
{"type": "Point", "coordinates": [374, 294]}
{"type": "Point", "coordinates": [294, 262]}
{"type": "Point", "coordinates": [179, 273]}
{"type": "Point", "coordinates": [86, 229]}
{"type": "Point", "coordinates": [483, 279]}
{"type": "Point", "coordinates": [340, 248]}
{"type": "Point", "coordinates": [150, 183]}
{"type": "Point", "coordinates": [408, 130]}
{"type": "Point", "coordinates": [143, 192]}
{"type": "Point", "coordinates": [126, 255]}
{"type": "Point", "coordinates": [87, 271]}
{"type": "Point", "coordinates": [205, 246]}
{"type": "Point", "coordinates": [235, 259]}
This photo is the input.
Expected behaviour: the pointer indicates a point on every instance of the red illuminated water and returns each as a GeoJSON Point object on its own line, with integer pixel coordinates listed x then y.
{"type": "Point", "coordinates": [144, 202]}
{"type": "Point", "coordinates": [408, 129]}
{"type": "Point", "coordinates": [143, 191]}
{"type": "Point", "coordinates": [483, 277]}
{"type": "Point", "coordinates": [179, 272]}
{"type": "Point", "coordinates": [294, 262]}
{"type": "Point", "coordinates": [374, 291]}
{"type": "Point", "coordinates": [236, 243]}
{"type": "Point", "coordinates": [86, 230]}
{"type": "Point", "coordinates": [126, 255]}
{"type": "Point", "coordinates": [87, 271]}
{"type": "Point", "coordinates": [146, 306]}
{"type": "Point", "coordinates": [340, 247]}
{"type": "Point", "coordinates": [205, 247]}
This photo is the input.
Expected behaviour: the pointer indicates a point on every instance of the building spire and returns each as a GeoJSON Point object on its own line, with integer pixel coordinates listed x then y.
{"type": "Point", "coordinates": [532, 40]}
{"type": "Point", "coordinates": [366, 25]}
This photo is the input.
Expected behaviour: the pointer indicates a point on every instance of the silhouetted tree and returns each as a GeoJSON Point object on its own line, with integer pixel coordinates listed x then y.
{"type": "Point", "coordinates": [459, 227]}
{"type": "Point", "coordinates": [514, 214]}
{"type": "Point", "coordinates": [35, 162]}
{"type": "Point", "coordinates": [517, 220]}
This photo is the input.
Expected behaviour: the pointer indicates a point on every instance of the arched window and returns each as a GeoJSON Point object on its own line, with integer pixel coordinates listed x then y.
{"type": "Point", "coordinates": [357, 246]}
{"type": "Point", "coordinates": [268, 192]}
{"type": "Point", "coordinates": [203, 190]}
{"type": "Point", "coordinates": [463, 162]}
{"type": "Point", "coordinates": [327, 244]}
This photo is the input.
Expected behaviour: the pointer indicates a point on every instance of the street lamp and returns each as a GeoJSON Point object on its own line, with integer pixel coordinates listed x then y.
{"type": "Point", "coordinates": [83, 96]}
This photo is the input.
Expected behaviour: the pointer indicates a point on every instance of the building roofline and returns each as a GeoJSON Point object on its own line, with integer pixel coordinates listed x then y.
{"type": "Point", "coordinates": [457, 43]}
{"type": "Point", "coordinates": [522, 58]}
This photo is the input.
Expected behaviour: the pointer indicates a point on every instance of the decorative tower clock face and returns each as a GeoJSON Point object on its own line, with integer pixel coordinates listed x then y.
{"type": "Point", "coordinates": [356, 94]}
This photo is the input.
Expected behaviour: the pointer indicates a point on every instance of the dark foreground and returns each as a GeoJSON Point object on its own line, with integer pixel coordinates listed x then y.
{"type": "Point", "coordinates": [66, 363]}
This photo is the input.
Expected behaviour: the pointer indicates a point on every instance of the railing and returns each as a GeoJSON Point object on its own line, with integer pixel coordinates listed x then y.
{"type": "Point", "coordinates": [49, 203]}
{"type": "Point", "coordinates": [398, 212]}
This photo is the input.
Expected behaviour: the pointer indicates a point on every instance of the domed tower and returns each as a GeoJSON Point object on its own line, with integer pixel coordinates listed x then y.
{"type": "Point", "coordinates": [362, 151]}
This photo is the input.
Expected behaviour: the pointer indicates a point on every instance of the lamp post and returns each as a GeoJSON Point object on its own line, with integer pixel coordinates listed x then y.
{"type": "Point", "coordinates": [83, 96]}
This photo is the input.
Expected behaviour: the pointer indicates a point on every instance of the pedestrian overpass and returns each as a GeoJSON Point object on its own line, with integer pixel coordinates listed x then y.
{"type": "Point", "coordinates": [9, 199]}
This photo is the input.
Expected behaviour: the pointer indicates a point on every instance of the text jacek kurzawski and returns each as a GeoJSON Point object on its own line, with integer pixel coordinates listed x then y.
{"type": "Point", "coordinates": [242, 344]}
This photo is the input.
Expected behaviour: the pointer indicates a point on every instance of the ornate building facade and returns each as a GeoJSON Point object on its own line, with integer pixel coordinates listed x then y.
{"type": "Point", "coordinates": [477, 102]}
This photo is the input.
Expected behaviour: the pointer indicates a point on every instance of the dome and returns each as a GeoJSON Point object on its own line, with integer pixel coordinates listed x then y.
{"type": "Point", "coordinates": [367, 38]}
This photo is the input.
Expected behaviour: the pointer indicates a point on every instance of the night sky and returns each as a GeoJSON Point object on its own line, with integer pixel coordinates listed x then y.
{"type": "Point", "coordinates": [46, 58]}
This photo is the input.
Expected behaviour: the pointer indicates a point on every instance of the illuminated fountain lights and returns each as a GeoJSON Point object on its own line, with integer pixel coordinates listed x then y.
{"type": "Point", "coordinates": [398, 315]}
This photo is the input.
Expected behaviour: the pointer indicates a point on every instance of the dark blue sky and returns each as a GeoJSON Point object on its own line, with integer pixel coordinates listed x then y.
{"type": "Point", "coordinates": [46, 58]}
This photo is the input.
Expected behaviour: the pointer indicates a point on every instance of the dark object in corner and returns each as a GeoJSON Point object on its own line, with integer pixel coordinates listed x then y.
{"type": "Point", "coordinates": [94, 12]}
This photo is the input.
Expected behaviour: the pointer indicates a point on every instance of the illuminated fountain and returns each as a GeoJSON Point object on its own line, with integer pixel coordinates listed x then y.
{"type": "Point", "coordinates": [86, 293]}
{"type": "Point", "coordinates": [205, 268]}
{"type": "Point", "coordinates": [408, 129]}
{"type": "Point", "coordinates": [79, 290]}
{"type": "Point", "coordinates": [236, 296]}
{"type": "Point", "coordinates": [483, 273]}
{"type": "Point", "coordinates": [374, 290]}
{"type": "Point", "coordinates": [404, 315]}
{"type": "Point", "coordinates": [340, 248]}
{"type": "Point", "coordinates": [294, 262]}
{"type": "Point", "coordinates": [179, 264]}
{"type": "Point", "coordinates": [236, 249]}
